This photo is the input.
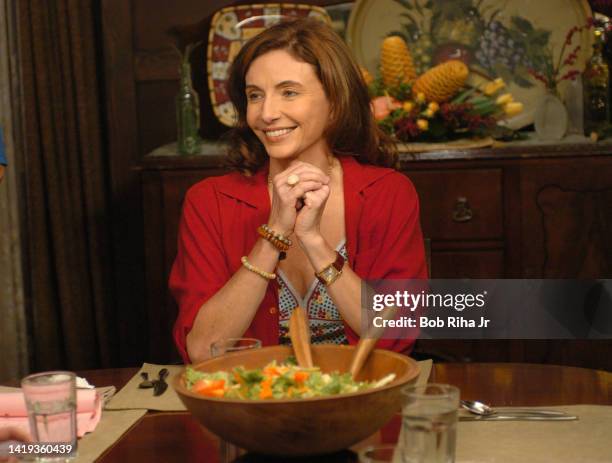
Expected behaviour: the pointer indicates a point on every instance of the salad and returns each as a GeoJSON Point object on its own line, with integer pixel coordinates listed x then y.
{"type": "Point", "coordinates": [276, 381]}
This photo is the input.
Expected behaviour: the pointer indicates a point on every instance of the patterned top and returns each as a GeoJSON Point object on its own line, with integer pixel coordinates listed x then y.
{"type": "Point", "coordinates": [326, 324]}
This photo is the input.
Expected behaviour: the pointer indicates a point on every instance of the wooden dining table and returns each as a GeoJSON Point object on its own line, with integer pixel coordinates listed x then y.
{"type": "Point", "coordinates": [178, 437]}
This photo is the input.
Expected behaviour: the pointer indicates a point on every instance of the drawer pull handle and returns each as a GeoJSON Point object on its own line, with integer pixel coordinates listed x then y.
{"type": "Point", "coordinates": [462, 211]}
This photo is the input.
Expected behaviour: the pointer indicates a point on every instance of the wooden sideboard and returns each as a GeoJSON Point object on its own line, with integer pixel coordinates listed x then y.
{"type": "Point", "coordinates": [512, 212]}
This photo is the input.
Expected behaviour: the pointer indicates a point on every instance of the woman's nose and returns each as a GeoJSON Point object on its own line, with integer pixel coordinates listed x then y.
{"type": "Point", "coordinates": [270, 110]}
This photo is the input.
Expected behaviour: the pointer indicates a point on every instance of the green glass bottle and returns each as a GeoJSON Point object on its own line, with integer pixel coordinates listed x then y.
{"type": "Point", "coordinates": [596, 89]}
{"type": "Point", "coordinates": [187, 111]}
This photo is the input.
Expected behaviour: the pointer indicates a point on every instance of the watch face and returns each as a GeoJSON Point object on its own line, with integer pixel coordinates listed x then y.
{"type": "Point", "coordinates": [329, 273]}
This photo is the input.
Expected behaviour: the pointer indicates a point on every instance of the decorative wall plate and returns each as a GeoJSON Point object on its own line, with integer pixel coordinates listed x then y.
{"type": "Point", "coordinates": [497, 37]}
{"type": "Point", "coordinates": [230, 28]}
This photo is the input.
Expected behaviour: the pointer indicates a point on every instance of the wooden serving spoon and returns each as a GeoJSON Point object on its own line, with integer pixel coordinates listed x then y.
{"type": "Point", "coordinates": [362, 352]}
{"type": "Point", "coordinates": [367, 342]}
{"type": "Point", "coordinates": [299, 332]}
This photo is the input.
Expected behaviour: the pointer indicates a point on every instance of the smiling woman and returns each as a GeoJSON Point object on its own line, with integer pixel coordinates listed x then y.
{"type": "Point", "coordinates": [313, 208]}
{"type": "Point", "coordinates": [287, 107]}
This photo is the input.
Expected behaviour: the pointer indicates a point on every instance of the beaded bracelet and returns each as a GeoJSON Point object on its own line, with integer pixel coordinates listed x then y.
{"type": "Point", "coordinates": [252, 268]}
{"type": "Point", "coordinates": [279, 241]}
{"type": "Point", "coordinates": [282, 238]}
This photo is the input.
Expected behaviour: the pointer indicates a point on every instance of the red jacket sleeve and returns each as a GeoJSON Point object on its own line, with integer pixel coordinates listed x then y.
{"type": "Point", "coordinates": [391, 241]}
{"type": "Point", "coordinates": [200, 268]}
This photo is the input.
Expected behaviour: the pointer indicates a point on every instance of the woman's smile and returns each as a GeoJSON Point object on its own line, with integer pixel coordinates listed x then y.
{"type": "Point", "coordinates": [277, 135]}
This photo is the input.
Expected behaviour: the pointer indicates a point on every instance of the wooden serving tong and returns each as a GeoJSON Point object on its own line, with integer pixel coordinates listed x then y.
{"type": "Point", "coordinates": [299, 332]}
{"type": "Point", "coordinates": [367, 342]}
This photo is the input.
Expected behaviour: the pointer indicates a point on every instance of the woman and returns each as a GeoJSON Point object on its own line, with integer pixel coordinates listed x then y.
{"type": "Point", "coordinates": [307, 213]}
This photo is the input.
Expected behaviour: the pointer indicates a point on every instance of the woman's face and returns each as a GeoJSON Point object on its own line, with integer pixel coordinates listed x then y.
{"type": "Point", "coordinates": [286, 106]}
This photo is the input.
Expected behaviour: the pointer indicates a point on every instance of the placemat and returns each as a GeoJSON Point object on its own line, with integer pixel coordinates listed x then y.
{"type": "Point", "coordinates": [109, 430]}
{"type": "Point", "coordinates": [587, 439]}
{"type": "Point", "coordinates": [130, 397]}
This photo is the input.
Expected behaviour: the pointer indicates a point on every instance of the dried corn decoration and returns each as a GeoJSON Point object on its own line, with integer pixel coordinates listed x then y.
{"type": "Point", "coordinates": [442, 82]}
{"type": "Point", "coordinates": [396, 64]}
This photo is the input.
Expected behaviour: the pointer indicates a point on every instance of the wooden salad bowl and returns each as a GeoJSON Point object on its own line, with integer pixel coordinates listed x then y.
{"type": "Point", "coordinates": [300, 427]}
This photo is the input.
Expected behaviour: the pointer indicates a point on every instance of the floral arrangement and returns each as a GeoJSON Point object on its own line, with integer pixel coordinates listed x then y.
{"type": "Point", "coordinates": [438, 105]}
{"type": "Point", "coordinates": [552, 74]}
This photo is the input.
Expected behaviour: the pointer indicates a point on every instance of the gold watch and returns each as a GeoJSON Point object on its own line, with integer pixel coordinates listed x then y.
{"type": "Point", "coordinates": [332, 272]}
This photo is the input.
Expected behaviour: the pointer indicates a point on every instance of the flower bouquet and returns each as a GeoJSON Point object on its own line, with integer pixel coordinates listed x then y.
{"type": "Point", "coordinates": [438, 105]}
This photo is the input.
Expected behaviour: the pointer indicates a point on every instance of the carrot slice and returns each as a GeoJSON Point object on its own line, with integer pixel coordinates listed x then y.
{"type": "Point", "coordinates": [271, 370]}
{"type": "Point", "coordinates": [205, 386]}
{"type": "Point", "coordinates": [266, 389]}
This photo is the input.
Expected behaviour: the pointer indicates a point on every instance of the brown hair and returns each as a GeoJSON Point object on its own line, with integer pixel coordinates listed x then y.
{"type": "Point", "coordinates": [352, 129]}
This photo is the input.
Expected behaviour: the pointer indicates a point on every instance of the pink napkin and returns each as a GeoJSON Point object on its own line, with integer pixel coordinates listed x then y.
{"type": "Point", "coordinates": [13, 410]}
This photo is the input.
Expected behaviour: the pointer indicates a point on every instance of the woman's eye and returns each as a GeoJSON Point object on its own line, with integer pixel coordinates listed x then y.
{"type": "Point", "coordinates": [289, 93]}
{"type": "Point", "coordinates": [253, 96]}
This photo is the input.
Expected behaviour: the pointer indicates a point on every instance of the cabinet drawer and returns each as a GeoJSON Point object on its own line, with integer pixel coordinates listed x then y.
{"type": "Point", "coordinates": [460, 204]}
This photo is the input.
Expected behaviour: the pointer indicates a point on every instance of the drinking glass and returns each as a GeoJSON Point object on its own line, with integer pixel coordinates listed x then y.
{"type": "Point", "coordinates": [229, 452]}
{"type": "Point", "coordinates": [50, 399]}
{"type": "Point", "coordinates": [429, 422]}
{"type": "Point", "coordinates": [382, 453]}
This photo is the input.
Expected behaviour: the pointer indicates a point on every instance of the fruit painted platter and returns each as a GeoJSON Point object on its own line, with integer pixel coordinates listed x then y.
{"type": "Point", "coordinates": [230, 28]}
{"type": "Point", "coordinates": [496, 38]}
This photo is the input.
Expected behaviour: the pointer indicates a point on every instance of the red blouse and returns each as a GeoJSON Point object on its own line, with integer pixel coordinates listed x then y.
{"type": "Point", "coordinates": [219, 226]}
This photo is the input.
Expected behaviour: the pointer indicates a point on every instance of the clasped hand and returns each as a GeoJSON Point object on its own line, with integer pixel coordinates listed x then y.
{"type": "Point", "coordinates": [312, 187]}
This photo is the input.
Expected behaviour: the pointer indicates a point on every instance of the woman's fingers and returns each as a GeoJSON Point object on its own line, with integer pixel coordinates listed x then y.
{"type": "Point", "coordinates": [308, 178]}
{"type": "Point", "coordinates": [302, 188]}
{"type": "Point", "coordinates": [290, 196]}
{"type": "Point", "coordinates": [303, 170]}
{"type": "Point", "coordinates": [316, 198]}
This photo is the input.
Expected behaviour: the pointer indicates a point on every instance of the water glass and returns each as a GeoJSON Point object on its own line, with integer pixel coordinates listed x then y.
{"type": "Point", "coordinates": [50, 399]}
{"type": "Point", "coordinates": [227, 451]}
{"type": "Point", "coordinates": [429, 423]}
{"type": "Point", "coordinates": [382, 453]}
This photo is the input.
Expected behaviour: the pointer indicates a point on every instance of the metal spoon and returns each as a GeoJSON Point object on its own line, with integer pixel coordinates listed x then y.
{"type": "Point", "coordinates": [479, 408]}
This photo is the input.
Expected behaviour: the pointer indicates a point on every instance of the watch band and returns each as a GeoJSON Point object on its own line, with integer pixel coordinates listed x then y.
{"type": "Point", "coordinates": [331, 273]}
